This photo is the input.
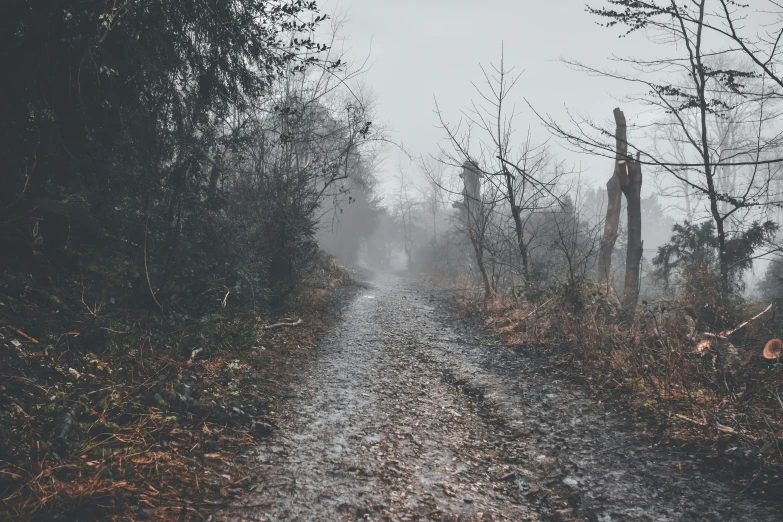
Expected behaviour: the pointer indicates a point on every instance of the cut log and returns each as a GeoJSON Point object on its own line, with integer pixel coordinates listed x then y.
{"type": "Point", "coordinates": [773, 349]}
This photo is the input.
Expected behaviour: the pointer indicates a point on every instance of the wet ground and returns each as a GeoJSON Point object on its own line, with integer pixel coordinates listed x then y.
{"type": "Point", "coordinates": [408, 413]}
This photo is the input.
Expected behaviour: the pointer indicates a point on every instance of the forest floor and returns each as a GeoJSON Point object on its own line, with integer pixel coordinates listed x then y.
{"type": "Point", "coordinates": [111, 411]}
{"type": "Point", "coordinates": [408, 412]}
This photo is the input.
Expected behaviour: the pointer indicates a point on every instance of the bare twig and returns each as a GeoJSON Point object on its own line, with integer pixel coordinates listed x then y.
{"type": "Point", "coordinates": [694, 421]}
{"type": "Point", "coordinates": [746, 323]}
{"type": "Point", "coordinates": [20, 332]}
{"type": "Point", "coordinates": [195, 353]}
{"type": "Point", "coordinates": [278, 325]}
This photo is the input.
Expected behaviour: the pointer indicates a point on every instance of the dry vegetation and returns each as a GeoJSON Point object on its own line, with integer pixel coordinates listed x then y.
{"type": "Point", "coordinates": [715, 397]}
{"type": "Point", "coordinates": [164, 417]}
{"type": "Point", "coordinates": [673, 326]}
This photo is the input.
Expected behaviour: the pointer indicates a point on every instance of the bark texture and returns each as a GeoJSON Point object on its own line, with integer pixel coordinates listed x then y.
{"type": "Point", "coordinates": [633, 256]}
{"type": "Point", "coordinates": [471, 178]}
{"type": "Point", "coordinates": [614, 202]}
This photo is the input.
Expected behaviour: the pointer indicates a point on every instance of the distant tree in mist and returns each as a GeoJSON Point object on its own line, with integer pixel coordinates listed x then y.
{"type": "Point", "coordinates": [348, 225]}
{"type": "Point", "coordinates": [517, 179]}
{"type": "Point", "coordinates": [698, 245]}
{"type": "Point", "coordinates": [771, 284]}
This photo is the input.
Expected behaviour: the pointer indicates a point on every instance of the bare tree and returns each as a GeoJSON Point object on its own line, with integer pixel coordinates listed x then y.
{"type": "Point", "coordinates": [575, 240]}
{"type": "Point", "coordinates": [613, 206]}
{"type": "Point", "coordinates": [476, 211]}
{"type": "Point", "coordinates": [434, 193]}
{"type": "Point", "coordinates": [522, 178]}
{"type": "Point", "coordinates": [626, 179]}
{"type": "Point", "coordinates": [631, 185]}
{"type": "Point", "coordinates": [691, 106]}
{"type": "Point", "coordinates": [405, 206]}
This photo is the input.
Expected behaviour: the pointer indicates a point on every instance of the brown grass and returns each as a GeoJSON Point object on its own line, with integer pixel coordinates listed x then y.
{"type": "Point", "coordinates": [723, 400]}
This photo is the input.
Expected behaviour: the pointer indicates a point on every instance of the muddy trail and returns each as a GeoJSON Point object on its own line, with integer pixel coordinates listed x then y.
{"type": "Point", "coordinates": [410, 414]}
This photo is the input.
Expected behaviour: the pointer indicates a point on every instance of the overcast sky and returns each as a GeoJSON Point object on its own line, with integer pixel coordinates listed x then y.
{"type": "Point", "coordinates": [420, 50]}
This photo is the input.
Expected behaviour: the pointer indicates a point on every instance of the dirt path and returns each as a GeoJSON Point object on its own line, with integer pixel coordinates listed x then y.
{"type": "Point", "coordinates": [408, 414]}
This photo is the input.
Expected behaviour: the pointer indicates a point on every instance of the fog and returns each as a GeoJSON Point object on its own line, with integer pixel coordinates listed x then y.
{"type": "Point", "coordinates": [420, 51]}
{"type": "Point", "coordinates": [401, 250]}
{"type": "Point", "coordinates": [423, 63]}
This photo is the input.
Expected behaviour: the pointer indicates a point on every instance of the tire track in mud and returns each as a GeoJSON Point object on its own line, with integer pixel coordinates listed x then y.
{"type": "Point", "coordinates": [409, 414]}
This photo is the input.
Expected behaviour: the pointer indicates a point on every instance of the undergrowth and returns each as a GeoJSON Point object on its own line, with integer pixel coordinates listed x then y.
{"type": "Point", "coordinates": [716, 397]}
{"type": "Point", "coordinates": [166, 408]}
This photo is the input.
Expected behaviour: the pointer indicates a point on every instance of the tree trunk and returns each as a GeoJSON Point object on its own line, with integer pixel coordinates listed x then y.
{"type": "Point", "coordinates": [612, 223]}
{"type": "Point", "coordinates": [723, 257]}
{"type": "Point", "coordinates": [434, 228]}
{"type": "Point", "coordinates": [474, 215]}
{"type": "Point", "coordinates": [480, 262]}
{"type": "Point", "coordinates": [519, 228]}
{"type": "Point", "coordinates": [214, 177]}
{"type": "Point", "coordinates": [406, 246]}
{"type": "Point", "coordinates": [614, 202]}
{"type": "Point", "coordinates": [699, 75]}
{"type": "Point", "coordinates": [633, 257]}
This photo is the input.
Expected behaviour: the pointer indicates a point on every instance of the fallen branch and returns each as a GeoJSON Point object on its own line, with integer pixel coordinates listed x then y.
{"type": "Point", "coordinates": [537, 308]}
{"type": "Point", "coordinates": [278, 325]}
{"type": "Point", "coordinates": [746, 323]}
{"type": "Point", "coordinates": [20, 332]}
{"type": "Point", "coordinates": [694, 421]}
{"type": "Point", "coordinates": [726, 333]}
{"type": "Point", "coordinates": [718, 425]}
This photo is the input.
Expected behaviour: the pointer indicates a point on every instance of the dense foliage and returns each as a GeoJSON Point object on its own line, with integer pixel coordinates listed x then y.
{"type": "Point", "coordinates": [697, 245]}
{"type": "Point", "coordinates": [187, 132]}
